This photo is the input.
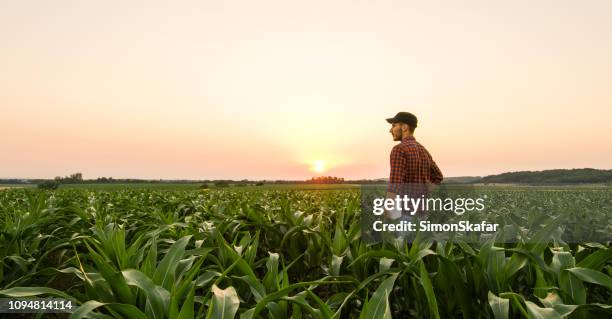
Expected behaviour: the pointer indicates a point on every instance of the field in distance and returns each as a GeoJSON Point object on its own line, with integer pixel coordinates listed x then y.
{"type": "Point", "coordinates": [189, 186]}
{"type": "Point", "coordinates": [296, 186]}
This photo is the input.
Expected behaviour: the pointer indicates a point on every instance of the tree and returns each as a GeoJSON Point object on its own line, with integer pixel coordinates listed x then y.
{"type": "Point", "coordinates": [76, 177]}
{"type": "Point", "coordinates": [326, 180]}
{"type": "Point", "coordinates": [48, 185]}
{"type": "Point", "coordinates": [221, 184]}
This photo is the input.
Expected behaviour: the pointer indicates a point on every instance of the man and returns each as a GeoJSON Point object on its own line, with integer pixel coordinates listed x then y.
{"type": "Point", "coordinates": [413, 170]}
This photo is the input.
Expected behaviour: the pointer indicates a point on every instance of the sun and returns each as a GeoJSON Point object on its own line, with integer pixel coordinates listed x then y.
{"type": "Point", "coordinates": [318, 166]}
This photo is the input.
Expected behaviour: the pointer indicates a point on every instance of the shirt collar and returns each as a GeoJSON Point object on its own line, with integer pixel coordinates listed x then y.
{"type": "Point", "coordinates": [408, 138]}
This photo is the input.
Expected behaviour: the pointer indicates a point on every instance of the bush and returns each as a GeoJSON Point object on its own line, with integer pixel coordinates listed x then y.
{"type": "Point", "coordinates": [221, 184]}
{"type": "Point", "coordinates": [204, 186]}
{"type": "Point", "coordinates": [51, 185]}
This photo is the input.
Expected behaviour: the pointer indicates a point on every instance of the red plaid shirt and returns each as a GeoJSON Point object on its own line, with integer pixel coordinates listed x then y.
{"type": "Point", "coordinates": [411, 163]}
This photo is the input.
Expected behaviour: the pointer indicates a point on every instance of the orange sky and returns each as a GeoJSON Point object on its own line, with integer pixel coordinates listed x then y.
{"type": "Point", "coordinates": [263, 89]}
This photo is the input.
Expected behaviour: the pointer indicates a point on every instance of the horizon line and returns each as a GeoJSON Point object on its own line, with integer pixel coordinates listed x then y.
{"type": "Point", "coordinates": [276, 179]}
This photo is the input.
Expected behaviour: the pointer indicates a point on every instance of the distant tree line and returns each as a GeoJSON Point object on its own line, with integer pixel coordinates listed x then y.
{"type": "Point", "coordinates": [78, 179]}
{"type": "Point", "coordinates": [326, 180]}
{"type": "Point", "coordinates": [75, 178]}
{"type": "Point", "coordinates": [553, 176]}
{"type": "Point", "coordinates": [228, 183]}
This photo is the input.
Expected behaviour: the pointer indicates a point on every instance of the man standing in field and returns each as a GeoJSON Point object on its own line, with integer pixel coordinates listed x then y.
{"type": "Point", "coordinates": [413, 170]}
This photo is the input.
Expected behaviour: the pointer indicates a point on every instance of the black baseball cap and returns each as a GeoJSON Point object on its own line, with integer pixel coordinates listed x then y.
{"type": "Point", "coordinates": [404, 117]}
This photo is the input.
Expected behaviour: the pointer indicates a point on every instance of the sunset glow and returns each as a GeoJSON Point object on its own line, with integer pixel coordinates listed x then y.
{"type": "Point", "coordinates": [285, 89]}
{"type": "Point", "coordinates": [318, 166]}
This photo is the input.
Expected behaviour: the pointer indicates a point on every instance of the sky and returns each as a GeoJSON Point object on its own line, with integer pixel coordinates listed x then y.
{"type": "Point", "coordinates": [295, 89]}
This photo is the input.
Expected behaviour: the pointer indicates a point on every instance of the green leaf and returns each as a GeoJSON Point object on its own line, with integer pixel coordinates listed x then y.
{"type": "Point", "coordinates": [535, 259]}
{"type": "Point", "coordinates": [562, 260]}
{"type": "Point", "coordinates": [254, 312]}
{"type": "Point", "coordinates": [592, 276]}
{"type": "Point", "coordinates": [206, 277]}
{"type": "Point", "coordinates": [150, 262]}
{"type": "Point", "coordinates": [271, 278]}
{"type": "Point", "coordinates": [429, 292]}
{"type": "Point", "coordinates": [572, 287]}
{"type": "Point", "coordinates": [541, 286]}
{"type": "Point", "coordinates": [378, 306]}
{"type": "Point", "coordinates": [86, 310]}
{"type": "Point", "coordinates": [225, 303]}
{"type": "Point", "coordinates": [553, 300]}
{"type": "Point", "coordinates": [165, 272]}
{"type": "Point", "coordinates": [420, 255]}
{"type": "Point", "coordinates": [158, 298]}
{"type": "Point", "coordinates": [340, 242]}
{"type": "Point", "coordinates": [187, 308]}
{"type": "Point", "coordinates": [450, 272]}
{"type": "Point", "coordinates": [517, 302]}
{"type": "Point", "coordinates": [544, 235]}
{"type": "Point", "coordinates": [231, 256]}
{"type": "Point", "coordinates": [187, 281]}
{"type": "Point", "coordinates": [541, 313]}
{"type": "Point", "coordinates": [120, 288]}
{"type": "Point", "coordinates": [336, 263]}
{"type": "Point", "coordinates": [33, 291]}
{"type": "Point", "coordinates": [516, 263]}
{"type": "Point", "coordinates": [323, 307]}
{"type": "Point", "coordinates": [597, 259]}
{"type": "Point", "coordinates": [257, 289]}
{"type": "Point", "coordinates": [375, 254]}
{"type": "Point", "coordinates": [500, 306]}
{"type": "Point", "coordinates": [299, 300]}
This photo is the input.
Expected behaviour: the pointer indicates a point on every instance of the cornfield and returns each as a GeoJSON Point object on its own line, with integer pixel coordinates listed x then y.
{"type": "Point", "coordinates": [288, 254]}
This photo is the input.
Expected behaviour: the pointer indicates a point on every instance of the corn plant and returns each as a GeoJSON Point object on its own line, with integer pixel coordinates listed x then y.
{"type": "Point", "coordinates": [295, 254]}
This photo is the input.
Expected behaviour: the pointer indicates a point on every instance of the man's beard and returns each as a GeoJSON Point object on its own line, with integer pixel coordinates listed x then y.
{"type": "Point", "coordinates": [397, 137]}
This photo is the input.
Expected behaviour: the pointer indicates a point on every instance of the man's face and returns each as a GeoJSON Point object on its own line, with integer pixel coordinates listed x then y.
{"type": "Point", "coordinates": [396, 131]}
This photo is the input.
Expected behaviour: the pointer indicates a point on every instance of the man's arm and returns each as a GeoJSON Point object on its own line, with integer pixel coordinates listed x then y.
{"type": "Point", "coordinates": [435, 174]}
{"type": "Point", "coordinates": [398, 165]}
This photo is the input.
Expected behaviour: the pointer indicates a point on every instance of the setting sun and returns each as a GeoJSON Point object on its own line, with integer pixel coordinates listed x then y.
{"type": "Point", "coordinates": [318, 166]}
